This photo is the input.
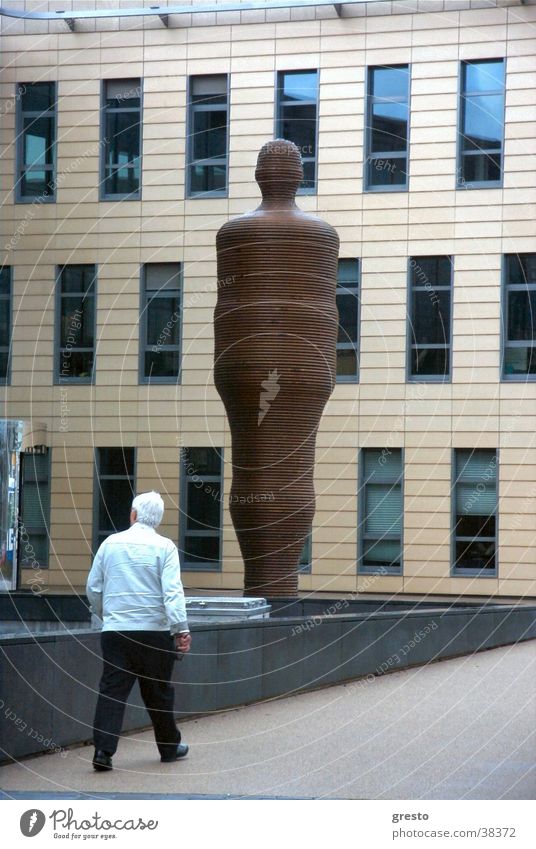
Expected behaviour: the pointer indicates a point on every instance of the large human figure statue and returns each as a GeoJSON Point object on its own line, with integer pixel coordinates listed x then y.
{"type": "Point", "coordinates": [275, 328]}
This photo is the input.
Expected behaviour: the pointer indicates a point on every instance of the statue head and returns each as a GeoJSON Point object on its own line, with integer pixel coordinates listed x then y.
{"type": "Point", "coordinates": [279, 170]}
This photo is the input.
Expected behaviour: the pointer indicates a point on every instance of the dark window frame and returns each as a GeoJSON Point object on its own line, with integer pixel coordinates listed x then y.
{"type": "Point", "coordinates": [279, 75]}
{"type": "Point", "coordinates": [103, 168]}
{"type": "Point", "coordinates": [20, 168]}
{"type": "Point", "coordinates": [5, 380]}
{"type": "Point", "coordinates": [97, 492]}
{"type": "Point", "coordinates": [461, 182]}
{"type": "Point", "coordinates": [306, 555]}
{"type": "Point", "coordinates": [191, 108]}
{"type": "Point", "coordinates": [506, 288]}
{"type": "Point", "coordinates": [350, 346]}
{"type": "Point", "coordinates": [361, 536]}
{"type": "Point", "coordinates": [188, 565]}
{"type": "Point", "coordinates": [60, 380]}
{"type": "Point", "coordinates": [143, 346]}
{"type": "Point", "coordinates": [22, 526]}
{"type": "Point", "coordinates": [370, 100]}
{"type": "Point", "coordinates": [428, 378]}
{"type": "Point", "coordinates": [462, 572]}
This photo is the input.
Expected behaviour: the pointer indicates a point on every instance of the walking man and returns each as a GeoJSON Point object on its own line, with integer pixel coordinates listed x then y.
{"type": "Point", "coordinates": [135, 587]}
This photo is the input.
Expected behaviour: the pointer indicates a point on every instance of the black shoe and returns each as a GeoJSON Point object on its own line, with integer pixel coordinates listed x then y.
{"type": "Point", "coordinates": [102, 761]}
{"type": "Point", "coordinates": [182, 751]}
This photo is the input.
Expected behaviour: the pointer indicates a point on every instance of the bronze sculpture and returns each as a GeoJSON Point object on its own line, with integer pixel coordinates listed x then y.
{"type": "Point", "coordinates": [275, 328]}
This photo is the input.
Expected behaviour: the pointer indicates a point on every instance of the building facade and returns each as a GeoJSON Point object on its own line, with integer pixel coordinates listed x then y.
{"type": "Point", "coordinates": [126, 142]}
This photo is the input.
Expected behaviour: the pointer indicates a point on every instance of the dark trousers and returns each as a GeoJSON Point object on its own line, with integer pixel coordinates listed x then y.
{"type": "Point", "coordinates": [149, 657]}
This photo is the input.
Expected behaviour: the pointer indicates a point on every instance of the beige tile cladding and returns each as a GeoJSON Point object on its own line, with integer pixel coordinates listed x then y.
{"type": "Point", "coordinates": [475, 227]}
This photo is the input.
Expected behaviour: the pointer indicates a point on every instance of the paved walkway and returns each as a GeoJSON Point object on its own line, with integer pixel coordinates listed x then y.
{"type": "Point", "coordinates": [459, 729]}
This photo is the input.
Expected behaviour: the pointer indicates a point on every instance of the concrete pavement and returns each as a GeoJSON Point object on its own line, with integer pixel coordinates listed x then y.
{"type": "Point", "coordinates": [459, 729]}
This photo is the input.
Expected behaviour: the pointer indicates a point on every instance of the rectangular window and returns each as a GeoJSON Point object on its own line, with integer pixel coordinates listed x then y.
{"type": "Point", "coordinates": [75, 349]}
{"type": "Point", "coordinates": [114, 490]}
{"type": "Point", "coordinates": [386, 161]}
{"type": "Point", "coordinates": [208, 135]}
{"type": "Point", "coordinates": [429, 313]}
{"type": "Point", "coordinates": [297, 119]}
{"type": "Point", "coordinates": [481, 129]}
{"type": "Point", "coordinates": [306, 555]}
{"type": "Point", "coordinates": [348, 307]}
{"type": "Point", "coordinates": [34, 510]}
{"type": "Point", "coordinates": [519, 317]}
{"type": "Point", "coordinates": [201, 509]}
{"type": "Point", "coordinates": [36, 147]}
{"type": "Point", "coordinates": [160, 322]}
{"type": "Point", "coordinates": [381, 510]}
{"type": "Point", "coordinates": [121, 136]}
{"type": "Point", "coordinates": [475, 511]}
{"type": "Point", "coordinates": [5, 322]}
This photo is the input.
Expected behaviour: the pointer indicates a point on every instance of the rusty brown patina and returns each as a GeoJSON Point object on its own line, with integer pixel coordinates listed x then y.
{"type": "Point", "coordinates": [275, 327]}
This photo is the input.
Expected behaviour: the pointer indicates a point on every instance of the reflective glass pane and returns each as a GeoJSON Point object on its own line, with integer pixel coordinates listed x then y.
{"type": "Point", "coordinates": [208, 178]}
{"type": "Point", "coordinates": [383, 509]}
{"type": "Point", "coordinates": [5, 316]}
{"type": "Point", "coordinates": [390, 82]}
{"type": "Point", "coordinates": [475, 525]}
{"type": "Point", "coordinates": [116, 461]}
{"type": "Point", "coordinates": [114, 504]}
{"type": "Point", "coordinates": [347, 306]}
{"type": "Point", "coordinates": [481, 168]}
{"type": "Point", "coordinates": [201, 549]}
{"type": "Point", "coordinates": [521, 268]}
{"type": "Point", "coordinates": [475, 555]}
{"type": "Point", "coordinates": [302, 85]}
{"type": "Point", "coordinates": [77, 278]}
{"type": "Point", "coordinates": [348, 273]}
{"type": "Point", "coordinates": [38, 141]}
{"type": "Point", "coordinates": [4, 362]}
{"type": "Point", "coordinates": [520, 360]}
{"type": "Point", "coordinates": [209, 134]}
{"type": "Point", "coordinates": [204, 502]}
{"type": "Point", "coordinates": [483, 125]}
{"type": "Point", "coordinates": [430, 271]}
{"type": "Point", "coordinates": [122, 180]}
{"type": "Point", "coordinates": [346, 362]}
{"type": "Point", "coordinates": [75, 363]}
{"type": "Point", "coordinates": [161, 363]}
{"type": "Point", "coordinates": [430, 321]}
{"type": "Point", "coordinates": [123, 134]}
{"type": "Point", "coordinates": [308, 181]}
{"type": "Point", "coordinates": [37, 183]}
{"type": "Point", "coordinates": [5, 280]}
{"type": "Point", "coordinates": [201, 461]}
{"type": "Point", "coordinates": [298, 124]}
{"type": "Point", "coordinates": [37, 97]}
{"type": "Point", "coordinates": [484, 76]}
{"type": "Point", "coordinates": [522, 315]}
{"type": "Point", "coordinates": [163, 321]}
{"type": "Point", "coordinates": [387, 171]}
{"type": "Point", "coordinates": [430, 362]}
{"type": "Point", "coordinates": [381, 553]}
{"type": "Point", "coordinates": [389, 127]}
{"type": "Point", "coordinates": [77, 321]}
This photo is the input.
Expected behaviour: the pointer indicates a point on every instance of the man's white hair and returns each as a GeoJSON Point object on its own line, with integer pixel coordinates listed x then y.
{"type": "Point", "coordinates": [149, 507]}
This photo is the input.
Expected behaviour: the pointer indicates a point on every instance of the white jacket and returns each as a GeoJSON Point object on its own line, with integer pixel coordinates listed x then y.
{"type": "Point", "coordinates": [135, 582]}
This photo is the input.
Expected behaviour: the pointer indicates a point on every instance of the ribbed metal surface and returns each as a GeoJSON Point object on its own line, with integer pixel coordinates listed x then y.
{"type": "Point", "coordinates": [275, 327]}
